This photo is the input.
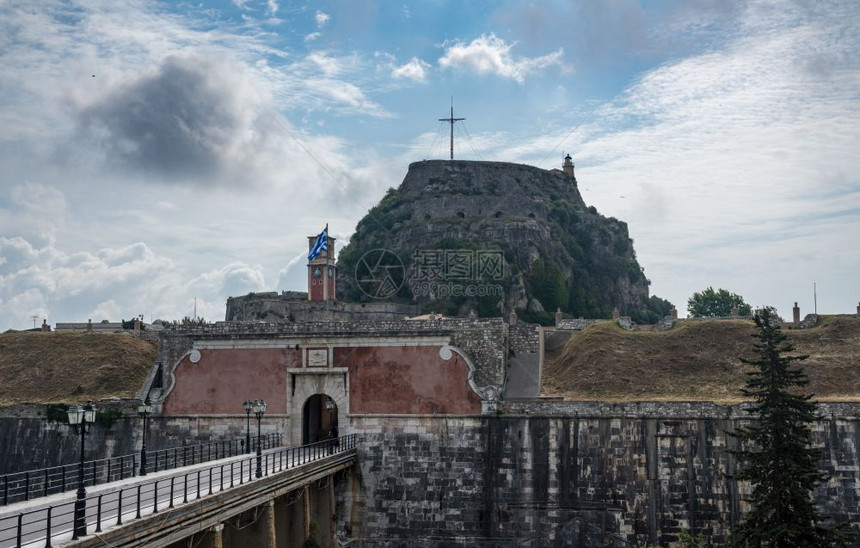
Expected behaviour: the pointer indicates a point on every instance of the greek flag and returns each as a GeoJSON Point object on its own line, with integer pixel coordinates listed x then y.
{"type": "Point", "coordinates": [320, 245]}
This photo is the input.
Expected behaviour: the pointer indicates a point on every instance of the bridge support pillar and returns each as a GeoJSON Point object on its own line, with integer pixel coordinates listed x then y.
{"type": "Point", "coordinates": [269, 524]}
{"type": "Point", "coordinates": [215, 536]}
{"type": "Point", "coordinates": [306, 499]}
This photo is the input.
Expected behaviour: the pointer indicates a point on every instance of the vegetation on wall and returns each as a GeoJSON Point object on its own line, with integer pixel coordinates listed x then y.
{"type": "Point", "coordinates": [57, 412]}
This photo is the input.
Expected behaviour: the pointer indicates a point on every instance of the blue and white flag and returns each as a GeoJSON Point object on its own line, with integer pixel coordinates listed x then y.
{"type": "Point", "coordinates": [320, 245]}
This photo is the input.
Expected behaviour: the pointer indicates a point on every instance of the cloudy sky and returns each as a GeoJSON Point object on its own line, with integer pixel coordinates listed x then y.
{"type": "Point", "coordinates": [154, 153]}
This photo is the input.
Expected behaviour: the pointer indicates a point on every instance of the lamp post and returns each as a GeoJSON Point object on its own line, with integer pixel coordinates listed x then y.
{"type": "Point", "coordinates": [248, 405]}
{"type": "Point", "coordinates": [144, 411]}
{"type": "Point", "coordinates": [259, 408]}
{"type": "Point", "coordinates": [80, 418]}
{"type": "Point", "coordinates": [332, 429]}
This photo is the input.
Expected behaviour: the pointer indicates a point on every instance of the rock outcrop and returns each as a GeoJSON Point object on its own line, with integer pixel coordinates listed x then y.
{"type": "Point", "coordinates": [449, 222]}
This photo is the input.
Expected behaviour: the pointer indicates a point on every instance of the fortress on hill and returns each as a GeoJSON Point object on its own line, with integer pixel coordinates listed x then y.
{"type": "Point", "coordinates": [425, 339]}
{"type": "Point", "coordinates": [462, 238]}
{"type": "Point", "coordinates": [459, 446]}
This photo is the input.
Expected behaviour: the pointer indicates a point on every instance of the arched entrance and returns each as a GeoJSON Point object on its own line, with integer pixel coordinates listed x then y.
{"type": "Point", "coordinates": [319, 415]}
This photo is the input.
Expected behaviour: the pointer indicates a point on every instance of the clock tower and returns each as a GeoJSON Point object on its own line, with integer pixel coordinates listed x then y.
{"type": "Point", "coordinates": [322, 272]}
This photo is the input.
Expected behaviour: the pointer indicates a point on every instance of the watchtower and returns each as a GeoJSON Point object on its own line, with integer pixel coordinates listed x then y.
{"type": "Point", "coordinates": [567, 167]}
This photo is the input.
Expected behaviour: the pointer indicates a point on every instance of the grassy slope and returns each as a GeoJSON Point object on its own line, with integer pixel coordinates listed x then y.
{"type": "Point", "coordinates": [71, 367]}
{"type": "Point", "coordinates": [696, 361]}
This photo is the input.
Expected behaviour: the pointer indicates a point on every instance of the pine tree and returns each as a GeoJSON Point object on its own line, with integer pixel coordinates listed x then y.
{"type": "Point", "coordinates": [778, 458]}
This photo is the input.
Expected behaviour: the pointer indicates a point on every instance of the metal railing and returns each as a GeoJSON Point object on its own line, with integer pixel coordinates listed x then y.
{"type": "Point", "coordinates": [55, 522]}
{"type": "Point", "coordinates": [58, 479]}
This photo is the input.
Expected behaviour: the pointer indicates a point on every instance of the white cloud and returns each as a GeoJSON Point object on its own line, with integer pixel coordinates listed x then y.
{"type": "Point", "coordinates": [330, 66]}
{"type": "Point", "coordinates": [271, 7]}
{"type": "Point", "coordinates": [312, 36]}
{"type": "Point", "coordinates": [736, 165]}
{"type": "Point", "coordinates": [415, 70]}
{"type": "Point", "coordinates": [95, 217]}
{"type": "Point", "coordinates": [321, 19]}
{"type": "Point", "coordinates": [491, 55]}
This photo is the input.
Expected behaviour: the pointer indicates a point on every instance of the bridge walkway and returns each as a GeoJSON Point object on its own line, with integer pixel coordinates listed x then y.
{"type": "Point", "coordinates": [163, 508]}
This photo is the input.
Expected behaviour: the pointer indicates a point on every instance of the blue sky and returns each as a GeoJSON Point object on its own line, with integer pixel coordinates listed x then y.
{"type": "Point", "coordinates": [155, 153]}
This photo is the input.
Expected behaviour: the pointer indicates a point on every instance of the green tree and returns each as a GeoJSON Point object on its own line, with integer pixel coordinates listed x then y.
{"type": "Point", "coordinates": [716, 304]}
{"type": "Point", "coordinates": [778, 458]}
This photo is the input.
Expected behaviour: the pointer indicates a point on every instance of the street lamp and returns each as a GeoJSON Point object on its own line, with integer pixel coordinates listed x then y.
{"type": "Point", "coordinates": [80, 419]}
{"type": "Point", "coordinates": [332, 429]}
{"type": "Point", "coordinates": [259, 408]}
{"type": "Point", "coordinates": [144, 410]}
{"type": "Point", "coordinates": [248, 405]}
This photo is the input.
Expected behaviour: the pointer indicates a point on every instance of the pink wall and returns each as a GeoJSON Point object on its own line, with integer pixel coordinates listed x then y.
{"type": "Point", "coordinates": [385, 379]}
{"type": "Point", "coordinates": [223, 379]}
{"type": "Point", "coordinates": [407, 380]}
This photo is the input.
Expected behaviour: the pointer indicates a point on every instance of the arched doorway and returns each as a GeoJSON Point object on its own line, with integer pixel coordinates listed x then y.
{"type": "Point", "coordinates": [319, 415]}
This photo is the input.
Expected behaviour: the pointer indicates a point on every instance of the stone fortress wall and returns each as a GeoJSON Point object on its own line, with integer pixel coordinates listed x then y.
{"type": "Point", "coordinates": [569, 474]}
{"type": "Point", "coordinates": [294, 307]}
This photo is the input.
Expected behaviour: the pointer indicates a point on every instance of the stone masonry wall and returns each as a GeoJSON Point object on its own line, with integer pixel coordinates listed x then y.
{"type": "Point", "coordinates": [29, 441]}
{"type": "Point", "coordinates": [524, 338]}
{"type": "Point", "coordinates": [604, 477]}
{"type": "Point", "coordinates": [269, 307]}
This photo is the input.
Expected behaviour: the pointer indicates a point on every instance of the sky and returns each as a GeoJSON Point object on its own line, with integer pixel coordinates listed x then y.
{"type": "Point", "coordinates": [155, 156]}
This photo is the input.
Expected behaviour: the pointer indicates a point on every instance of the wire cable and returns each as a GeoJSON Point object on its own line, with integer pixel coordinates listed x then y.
{"type": "Point", "coordinates": [569, 134]}
{"type": "Point", "coordinates": [471, 143]}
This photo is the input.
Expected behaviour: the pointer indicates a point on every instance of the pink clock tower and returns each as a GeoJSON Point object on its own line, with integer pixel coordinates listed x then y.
{"type": "Point", "coordinates": [322, 273]}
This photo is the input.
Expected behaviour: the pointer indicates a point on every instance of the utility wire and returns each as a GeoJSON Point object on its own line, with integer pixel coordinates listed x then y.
{"type": "Point", "coordinates": [322, 166]}
{"type": "Point", "coordinates": [471, 143]}
{"type": "Point", "coordinates": [569, 134]}
{"type": "Point", "coordinates": [435, 140]}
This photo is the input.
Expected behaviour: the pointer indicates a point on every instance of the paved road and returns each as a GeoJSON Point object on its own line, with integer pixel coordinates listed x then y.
{"type": "Point", "coordinates": [137, 497]}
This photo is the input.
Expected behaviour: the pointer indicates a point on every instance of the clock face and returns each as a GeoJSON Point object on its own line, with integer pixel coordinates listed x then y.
{"type": "Point", "coordinates": [331, 272]}
{"type": "Point", "coordinates": [317, 272]}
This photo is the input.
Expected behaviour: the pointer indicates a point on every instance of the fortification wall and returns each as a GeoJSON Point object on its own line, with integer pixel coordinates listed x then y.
{"type": "Point", "coordinates": [293, 307]}
{"type": "Point", "coordinates": [536, 474]}
{"type": "Point", "coordinates": [29, 441]}
{"type": "Point", "coordinates": [589, 475]}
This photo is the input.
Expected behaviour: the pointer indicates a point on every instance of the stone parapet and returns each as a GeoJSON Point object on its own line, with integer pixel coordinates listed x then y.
{"type": "Point", "coordinates": [294, 307]}
{"type": "Point", "coordinates": [645, 409]}
{"type": "Point", "coordinates": [352, 328]}
{"type": "Point", "coordinates": [570, 324]}
{"type": "Point", "coordinates": [524, 337]}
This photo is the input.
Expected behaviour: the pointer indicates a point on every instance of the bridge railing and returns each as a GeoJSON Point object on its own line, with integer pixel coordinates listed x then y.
{"type": "Point", "coordinates": [56, 522]}
{"type": "Point", "coordinates": [42, 482]}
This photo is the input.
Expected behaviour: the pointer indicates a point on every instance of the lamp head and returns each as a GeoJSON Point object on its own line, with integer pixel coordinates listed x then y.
{"type": "Point", "coordinates": [89, 412]}
{"type": "Point", "coordinates": [259, 407]}
{"type": "Point", "coordinates": [144, 408]}
{"type": "Point", "coordinates": [76, 414]}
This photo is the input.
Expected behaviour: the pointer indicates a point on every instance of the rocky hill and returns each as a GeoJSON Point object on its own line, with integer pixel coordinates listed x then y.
{"type": "Point", "coordinates": [495, 237]}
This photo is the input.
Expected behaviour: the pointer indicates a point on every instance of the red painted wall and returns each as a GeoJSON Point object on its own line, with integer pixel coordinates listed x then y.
{"type": "Point", "coordinates": [223, 379]}
{"type": "Point", "coordinates": [407, 380]}
{"type": "Point", "coordinates": [316, 288]}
